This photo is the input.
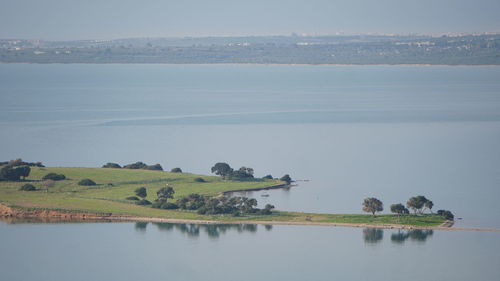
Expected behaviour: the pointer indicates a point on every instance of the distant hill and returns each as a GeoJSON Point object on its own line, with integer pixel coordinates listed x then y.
{"type": "Point", "coordinates": [354, 49]}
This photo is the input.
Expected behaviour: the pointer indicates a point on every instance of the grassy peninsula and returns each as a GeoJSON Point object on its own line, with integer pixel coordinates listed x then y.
{"type": "Point", "coordinates": [113, 186]}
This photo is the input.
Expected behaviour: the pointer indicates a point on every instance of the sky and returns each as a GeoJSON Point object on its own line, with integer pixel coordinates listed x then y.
{"type": "Point", "coordinates": [111, 19]}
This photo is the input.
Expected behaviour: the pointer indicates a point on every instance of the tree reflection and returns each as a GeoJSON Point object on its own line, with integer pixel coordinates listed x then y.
{"type": "Point", "coordinates": [373, 235]}
{"type": "Point", "coordinates": [211, 230]}
{"type": "Point", "coordinates": [140, 226]}
{"type": "Point", "coordinates": [419, 235]}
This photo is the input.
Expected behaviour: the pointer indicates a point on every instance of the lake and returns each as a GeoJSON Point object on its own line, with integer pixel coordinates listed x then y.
{"type": "Point", "coordinates": [352, 132]}
{"type": "Point", "coordinates": [343, 132]}
{"type": "Point", "coordinates": [152, 251]}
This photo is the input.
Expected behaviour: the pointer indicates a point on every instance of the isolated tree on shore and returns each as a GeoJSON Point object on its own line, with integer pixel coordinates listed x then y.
{"type": "Point", "coordinates": [141, 192]}
{"type": "Point", "coordinates": [416, 203]}
{"type": "Point", "coordinates": [399, 209]}
{"type": "Point", "coordinates": [222, 169]}
{"type": "Point", "coordinates": [372, 205]}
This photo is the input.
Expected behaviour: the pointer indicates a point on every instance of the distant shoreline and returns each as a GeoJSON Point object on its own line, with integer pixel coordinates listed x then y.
{"type": "Point", "coordinates": [242, 63]}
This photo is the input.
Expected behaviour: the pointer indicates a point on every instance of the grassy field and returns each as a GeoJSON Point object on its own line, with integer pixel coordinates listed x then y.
{"type": "Point", "coordinates": [114, 185]}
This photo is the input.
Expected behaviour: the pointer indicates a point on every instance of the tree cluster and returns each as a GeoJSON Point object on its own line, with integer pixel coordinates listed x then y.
{"type": "Point", "coordinates": [419, 204]}
{"type": "Point", "coordinates": [235, 206]}
{"type": "Point", "coordinates": [135, 166]}
{"type": "Point", "coordinates": [244, 173]}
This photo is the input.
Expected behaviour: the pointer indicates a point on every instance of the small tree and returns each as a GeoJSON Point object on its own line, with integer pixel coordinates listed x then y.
{"type": "Point", "coordinates": [28, 187]}
{"type": "Point", "coordinates": [286, 178]}
{"type": "Point", "coordinates": [112, 165]}
{"type": "Point", "coordinates": [165, 193]}
{"type": "Point", "coordinates": [268, 177]}
{"type": "Point", "coordinates": [222, 169]}
{"type": "Point", "coordinates": [372, 205]}
{"type": "Point", "coordinates": [86, 182]}
{"type": "Point", "coordinates": [398, 209]}
{"type": "Point", "coordinates": [141, 192]}
{"type": "Point", "coordinates": [176, 170]}
{"type": "Point", "coordinates": [54, 177]}
{"type": "Point", "coordinates": [416, 203]}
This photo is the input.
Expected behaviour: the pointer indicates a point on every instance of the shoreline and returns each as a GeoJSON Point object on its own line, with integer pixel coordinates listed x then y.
{"type": "Point", "coordinates": [12, 213]}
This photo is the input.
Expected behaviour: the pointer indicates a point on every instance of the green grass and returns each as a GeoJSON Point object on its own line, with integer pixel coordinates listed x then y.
{"type": "Point", "coordinates": [114, 185]}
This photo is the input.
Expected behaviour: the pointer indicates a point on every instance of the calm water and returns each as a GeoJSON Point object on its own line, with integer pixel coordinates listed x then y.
{"type": "Point", "coordinates": [353, 131]}
{"type": "Point", "coordinates": [350, 131]}
{"type": "Point", "coordinates": [148, 251]}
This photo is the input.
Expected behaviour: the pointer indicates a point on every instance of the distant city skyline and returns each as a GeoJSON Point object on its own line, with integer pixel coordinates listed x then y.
{"type": "Point", "coordinates": [112, 19]}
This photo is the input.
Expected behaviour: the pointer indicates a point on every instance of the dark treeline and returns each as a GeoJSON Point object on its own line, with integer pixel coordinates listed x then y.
{"type": "Point", "coordinates": [14, 170]}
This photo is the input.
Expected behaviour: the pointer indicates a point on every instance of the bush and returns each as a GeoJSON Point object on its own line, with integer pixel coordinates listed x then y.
{"type": "Point", "coordinates": [268, 177]}
{"type": "Point", "coordinates": [199, 180]}
{"type": "Point", "coordinates": [176, 170]}
{"type": "Point", "coordinates": [133, 198]}
{"type": "Point", "coordinates": [112, 165]}
{"type": "Point", "coordinates": [156, 167]}
{"type": "Point", "coordinates": [54, 177]}
{"type": "Point", "coordinates": [143, 202]}
{"type": "Point", "coordinates": [28, 187]}
{"type": "Point", "coordinates": [169, 206]}
{"type": "Point", "coordinates": [86, 182]}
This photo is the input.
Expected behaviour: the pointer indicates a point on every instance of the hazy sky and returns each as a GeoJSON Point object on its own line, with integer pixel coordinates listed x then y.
{"type": "Point", "coordinates": [107, 19]}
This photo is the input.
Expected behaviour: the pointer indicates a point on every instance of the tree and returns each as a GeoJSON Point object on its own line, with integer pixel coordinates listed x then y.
{"type": "Point", "coordinates": [286, 178]}
{"type": "Point", "coordinates": [176, 170]}
{"type": "Point", "coordinates": [136, 165]}
{"type": "Point", "coordinates": [165, 193]}
{"type": "Point", "coordinates": [141, 192]}
{"type": "Point", "coordinates": [243, 173]}
{"type": "Point", "coordinates": [86, 182]}
{"type": "Point", "coordinates": [416, 203]}
{"type": "Point", "coordinates": [268, 177]}
{"type": "Point", "coordinates": [155, 167]}
{"type": "Point", "coordinates": [14, 173]}
{"type": "Point", "coordinates": [398, 209]}
{"type": "Point", "coordinates": [28, 187]}
{"type": "Point", "coordinates": [222, 169]}
{"type": "Point", "coordinates": [428, 204]}
{"type": "Point", "coordinates": [54, 177]}
{"type": "Point", "coordinates": [372, 205]}
{"type": "Point", "coordinates": [23, 171]}
{"type": "Point", "coordinates": [112, 165]}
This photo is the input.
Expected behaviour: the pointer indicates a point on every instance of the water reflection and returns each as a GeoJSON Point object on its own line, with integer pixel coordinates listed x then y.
{"type": "Point", "coordinates": [419, 235]}
{"type": "Point", "coordinates": [195, 230]}
{"type": "Point", "coordinates": [375, 235]}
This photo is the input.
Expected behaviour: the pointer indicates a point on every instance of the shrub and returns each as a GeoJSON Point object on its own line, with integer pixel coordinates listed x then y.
{"type": "Point", "coordinates": [133, 198]}
{"type": "Point", "coordinates": [169, 206]}
{"type": "Point", "coordinates": [112, 165]}
{"type": "Point", "coordinates": [268, 177]}
{"type": "Point", "coordinates": [446, 214]}
{"type": "Point", "coordinates": [28, 187]}
{"type": "Point", "coordinates": [176, 170]}
{"type": "Point", "coordinates": [143, 202]}
{"type": "Point", "coordinates": [199, 180]}
{"type": "Point", "coordinates": [141, 192]}
{"type": "Point", "coordinates": [86, 182]}
{"type": "Point", "coordinates": [156, 167]}
{"type": "Point", "coordinates": [54, 177]}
